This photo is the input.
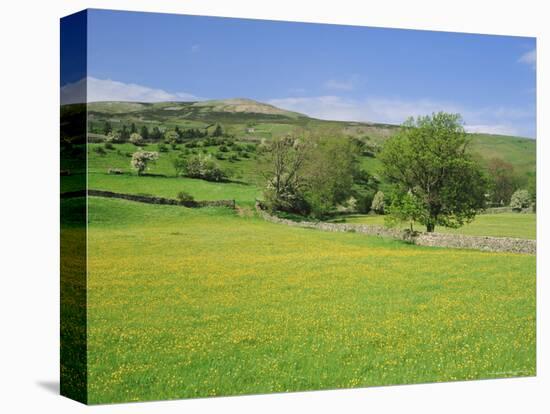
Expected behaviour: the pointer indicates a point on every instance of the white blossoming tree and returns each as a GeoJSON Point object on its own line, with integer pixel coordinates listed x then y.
{"type": "Point", "coordinates": [136, 139]}
{"type": "Point", "coordinates": [140, 159]}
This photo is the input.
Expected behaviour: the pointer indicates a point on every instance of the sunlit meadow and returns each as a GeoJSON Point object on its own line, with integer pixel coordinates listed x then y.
{"type": "Point", "coordinates": [203, 302]}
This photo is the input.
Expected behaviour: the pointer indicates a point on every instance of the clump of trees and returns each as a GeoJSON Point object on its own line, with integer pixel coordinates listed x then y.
{"type": "Point", "coordinates": [310, 175]}
{"type": "Point", "coordinates": [502, 181]}
{"type": "Point", "coordinates": [199, 166]}
{"type": "Point", "coordinates": [141, 159]}
{"type": "Point", "coordinates": [435, 178]}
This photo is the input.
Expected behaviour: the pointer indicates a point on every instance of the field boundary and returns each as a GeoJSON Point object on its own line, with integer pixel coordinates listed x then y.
{"type": "Point", "coordinates": [456, 241]}
{"type": "Point", "coordinates": [150, 199]}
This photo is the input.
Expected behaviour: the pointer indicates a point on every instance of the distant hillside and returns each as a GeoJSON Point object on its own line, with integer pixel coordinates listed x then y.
{"type": "Point", "coordinates": [252, 120]}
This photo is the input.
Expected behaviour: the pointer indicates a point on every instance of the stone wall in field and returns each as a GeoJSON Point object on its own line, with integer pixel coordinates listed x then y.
{"type": "Point", "coordinates": [486, 243]}
{"type": "Point", "coordinates": [162, 200]}
{"type": "Point", "coordinates": [497, 210]}
{"type": "Point", "coordinates": [490, 244]}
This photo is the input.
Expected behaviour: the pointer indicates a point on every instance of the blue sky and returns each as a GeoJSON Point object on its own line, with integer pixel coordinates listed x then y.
{"type": "Point", "coordinates": [326, 71]}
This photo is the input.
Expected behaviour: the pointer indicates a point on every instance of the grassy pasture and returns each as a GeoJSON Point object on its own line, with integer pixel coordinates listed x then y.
{"type": "Point", "coordinates": [166, 184]}
{"type": "Point", "coordinates": [517, 225]}
{"type": "Point", "coordinates": [243, 194]}
{"type": "Point", "coordinates": [198, 302]}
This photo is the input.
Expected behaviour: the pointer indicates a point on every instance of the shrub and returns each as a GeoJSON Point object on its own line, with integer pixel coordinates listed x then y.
{"type": "Point", "coordinates": [100, 151]}
{"type": "Point", "coordinates": [184, 197]}
{"type": "Point", "coordinates": [136, 139]}
{"type": "Point", "coordinates": [162, 147]}
{"type": "Point", "coordinates": [199, 166]}
{"type": "Point", "coordinates": [140, 160]}
{"type": "Point", "coordinates": [223, 148]}
{"type": "Point", "coordinates": [233, 158]}
{"type": "Point", "coordinates": [109, 146]}
{"type": "Point", "coordinates": [116, 171]}
{"type": "Point", "coordinates": [520, 200]}
{"type": "Point", "coordinates": [351, 204]}
{"type": "Point", "coordinates": [171, 137]}
{"type": "Point", "coordinates": [364, 202]}
{"type": "Point", "coordinates": [378, 203]}
{"type": "Point", "coordinates": [113, 136]}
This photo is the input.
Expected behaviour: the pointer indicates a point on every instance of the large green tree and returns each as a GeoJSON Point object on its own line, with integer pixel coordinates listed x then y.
{"type": "Point", "coordinates": [309, 175]}
{"type": "Point", "coordinates": [329, 173]}
{"type": "Point", "coordinates": [430, 159]}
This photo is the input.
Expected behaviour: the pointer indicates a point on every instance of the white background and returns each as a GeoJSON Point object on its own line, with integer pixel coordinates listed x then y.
{"type": "Point", "coordinates": [29, 240]}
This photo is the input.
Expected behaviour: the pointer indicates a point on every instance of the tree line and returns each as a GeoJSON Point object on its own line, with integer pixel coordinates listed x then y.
{"type": "Point", "coordinates": [431, 174]}
{"type": "Point", "coordinates": [155, 133]}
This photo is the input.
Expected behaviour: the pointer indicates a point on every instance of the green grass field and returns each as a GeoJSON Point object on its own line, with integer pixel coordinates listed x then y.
{"type": "Point", "coordinates": [523, 226]}
{"type": "Point", "coordinates": [201, 302]}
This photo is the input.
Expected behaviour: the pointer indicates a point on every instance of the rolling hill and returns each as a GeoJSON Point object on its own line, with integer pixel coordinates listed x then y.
{"type": "Point", "coordinates": [251, 120]}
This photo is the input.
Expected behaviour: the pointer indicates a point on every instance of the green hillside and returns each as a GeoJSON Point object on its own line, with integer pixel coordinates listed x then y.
{"type": "Point", "coordinates": [250, 120]}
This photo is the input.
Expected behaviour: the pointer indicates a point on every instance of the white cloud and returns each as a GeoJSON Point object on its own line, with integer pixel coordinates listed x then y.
{"type": "Point", "coordinates": [393, 111]}
{"type": "Point", "coordinates": [195, 48]}
{"type": "Point", "coordinates": [297, 91]}
{"type": "Point", "coordinates": [529, 58]}
{"type": "Point", "coordinates": [339, 85]}
{"type": "Point", "coordinates": [500, 120]}
{"type": "Point", "coordinates": [110, 90]}
{"type": "Point", "coordinates": [348, 84]}
{"type": "Point", "coordinates": [493, 129]}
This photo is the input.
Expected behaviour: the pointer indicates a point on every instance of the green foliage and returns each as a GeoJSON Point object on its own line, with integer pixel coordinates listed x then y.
{"type": "Point", "coordinates": [329, 174]}
{"type": "Point", "coordinates": [430, 158]}
{"type": "Point", "coordinates": [364, 202]}
{"type": "Point", "coordinates": [109, 146]}
{"type": "Point", "coordinates": [309, 175]}
{"type": "Point", "coordinates": [502, 181]}
{"type": "Point", "coordinates": [162, 147]}
{"type": "Point", "coordinates": [404, 208]}
{"type": "Point", "coordinates": [184, 196]}
{"type": "Point", "coordinates": [156, 134]}
{"type": "Point", "coordinates": [124, 133]}
{"type": "Point", "coordinates": [520, 200]}
{"type": "Point", "coordinates": [144, 132]}
{"type": "Point", "coordinates": [532, 188]}
{"type": "Point", "coordinates": [218, 132]}
{"type": "Point", "coordinates": [107, 128]}
{"type": "Point", "coordinates": [199, 166]}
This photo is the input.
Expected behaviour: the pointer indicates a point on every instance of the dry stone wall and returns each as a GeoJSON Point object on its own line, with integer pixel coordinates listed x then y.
{"type": "Point", "coordinates": [485, 243]}
{"type": "Point", "coordinates": [151, 199]}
